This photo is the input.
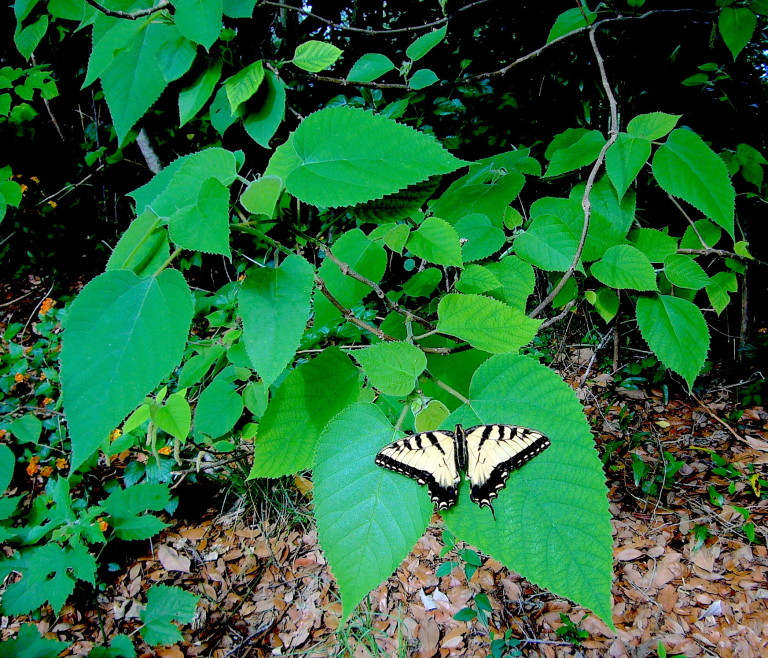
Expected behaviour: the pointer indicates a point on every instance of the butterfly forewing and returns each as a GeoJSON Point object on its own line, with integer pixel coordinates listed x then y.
{"type": "Point", "coordinates": [493, 451]}
{"type": "Point", "coordinates": [429, 458]}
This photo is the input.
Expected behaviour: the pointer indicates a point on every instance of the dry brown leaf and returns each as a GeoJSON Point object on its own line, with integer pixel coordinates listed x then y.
{"type": "Point", "coordinates": [172, 560]}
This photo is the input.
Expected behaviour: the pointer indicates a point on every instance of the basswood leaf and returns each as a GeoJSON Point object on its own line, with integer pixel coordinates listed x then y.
{"type": "Point", "coordinates": [398, 205]}
{"type": "Point", "coordinates": [701, 229]}
{"type": "Point", "coordinates": [143, 248]}
{"type": "Point", "coordinates": [485, 323]}
{"type": "Point", "coordinates": [192, 99]}
{"type": "Point", "coordinates": [123, 336]}
{"type": "Point", "coordinates": [423, 283]}
{"type": "Point", "coordinates": [28, 38]}
{"type": "Point", "coordinates": [653, 125]}
{"type": "Point", "coordinates": [299, 411]}
{"type": "Point", "coordinates": [656, 245]}
{"type": "Point", "coordinates": [425, 43]}
{"type": "Point", "coordinates": [244, 84]}
{"type": "Point", "coordinates": [220, 405]}
{"type": "Point", "coordinates": [196, 367]}
{"type": "Point", "coordinates": [549, 243]}
{"type": "Point", "coordinates": [370, 67]}
{"type": "Point", "coordinates": [204, 224]}
{"type": "Point", "coordinates": [570, 20]}
{"type": "Point", "coordinates": [368, 518]}
{"type": "Point", "coordinates": [30, 644]}
{"type": "Point", "coordinates": [344, 156]}
{"type": "Point", "coordinates": [736, 26]}
{"type": "Point", "coordinates": [481, 237]}
{"type": "Point", "coordinates": [164, 606]}
{"type": "Point", "coordinates": [199, 20]}
{"type": "Point", "coordinates": [684, 272]}
{"type": "Point", "coordinates": [624, 160]}
{"type": "Point", "coordinates": [263, 124]}
{"type": "Point", "coordinates": [552, 521]}
{"type": "Point", "coordinates": [577, 155]}
{"type": "Point", "coordinates": [26, 428]}
{"type": "Point", "coordinates": [314, 56]}
{"type": "Point", "coordinates": [625, 266]}
{"type": "Point", "coordinates": [477, 279]}
{"type": "Point", "coordinates": [274, 304]}
{"type": "Point", "coordinates": [431, 416]}
{"type": "Point", "coordinates": [676, 331]}
{"type": "Point", "coordinates": [436, 241]}
{"type": "Point", "coordinates": [127, 510]}
{"type": "Point", "coordinates": [685, 167]}
{"type": "Point", "coordinates": [261, 195]}
{"type": "Point", "coordinates": [392, 368]}
{"type": "Point", "coordinates": [175, 416]}
{"type": "Point", "coordinates": [422, 78]}
{"type": "Point", "coordinates": [517, 281]}
{"type": "Point", "coordinates": [719, 288]}
{"type": "Point", "coordinates": [605, 301]}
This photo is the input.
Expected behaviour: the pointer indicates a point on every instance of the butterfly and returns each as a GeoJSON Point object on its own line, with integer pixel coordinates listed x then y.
{"type": "Point", "coordinates": [487, 453]}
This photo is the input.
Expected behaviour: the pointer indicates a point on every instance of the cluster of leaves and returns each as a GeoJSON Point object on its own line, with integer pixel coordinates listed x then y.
{"type": "Point", "coordinates": [410, 313]}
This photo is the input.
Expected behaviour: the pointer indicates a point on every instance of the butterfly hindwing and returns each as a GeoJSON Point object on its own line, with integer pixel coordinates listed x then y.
{"type": "Point", "coordinates": [493, 451]}
{"type": "Point", "coordinates": [429, 458]}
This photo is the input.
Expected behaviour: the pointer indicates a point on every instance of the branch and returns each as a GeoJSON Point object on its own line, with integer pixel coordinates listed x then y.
{"type": "Point", "coordinates": [559, 316]}
{"type": "Point", "coordinates": [130, 15]}
{"type": "Point", "coordinates": [585, 202]}
{"type": "Point", "coordinates": [710, 251]}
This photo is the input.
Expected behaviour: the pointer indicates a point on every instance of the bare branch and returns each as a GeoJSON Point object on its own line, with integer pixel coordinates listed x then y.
{"type": "Point", "coordinates": [130, 15]}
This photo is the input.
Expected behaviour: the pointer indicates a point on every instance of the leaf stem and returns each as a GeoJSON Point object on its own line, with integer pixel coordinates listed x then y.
{"type": "Point", "coordinates": [169, 260]}
{"type": "Point", "coordinates": [447, 388]}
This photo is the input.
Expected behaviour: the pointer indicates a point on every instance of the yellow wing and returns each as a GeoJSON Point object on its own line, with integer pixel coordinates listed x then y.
{"type": "Point", "coordinates": [429, 458]}
{"type": "Point", "coordinates": [493, 451]}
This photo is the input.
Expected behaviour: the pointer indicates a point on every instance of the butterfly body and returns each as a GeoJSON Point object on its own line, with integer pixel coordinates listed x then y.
{"type": "Point", "coordinates": [486, 453]}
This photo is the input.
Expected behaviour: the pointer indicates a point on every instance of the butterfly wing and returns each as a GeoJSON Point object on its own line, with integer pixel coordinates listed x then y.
{"type": "Point", "coordinates": [493, 451]}
{"type": "Point", "coordinates": [429, 458]}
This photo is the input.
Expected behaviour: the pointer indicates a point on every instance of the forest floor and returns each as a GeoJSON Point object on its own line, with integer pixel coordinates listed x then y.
{"type": "Point", "coordinates": [690, 572]}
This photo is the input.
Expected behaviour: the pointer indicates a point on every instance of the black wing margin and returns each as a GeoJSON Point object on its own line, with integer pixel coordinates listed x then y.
{"type": "Point", "coordinates": [429, 458]}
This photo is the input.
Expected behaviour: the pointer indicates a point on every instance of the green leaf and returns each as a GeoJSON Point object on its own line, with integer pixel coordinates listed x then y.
{"type": "Point", "coordinates": [624, 160]}
{"type": "Point", "coordinates": [605, 301]}
{"type": "Point", "coordinates": [244, 84]}
{"type": "Point", "coordinates": [28, 643]}
{"type": "Point", "coordinates": [368, 525]}
{"type": "Point", "coordinates": [195, 368]}
{"type": "Point", "coordinates": [656, 245]}
{"type": "Point", "coordinates": [127, 510]}
{"type": "Point", "coordinates": [314, 56]}
{"type": "Point", "coordinates": [477, 279]}
{"type": "Point", "coordinates": [143, 248]}
{"type": "Point", "coordinates": [222, 116]}
{"type": "Point", "coordinates": [684, 272]}
{"type": "Point", "coordinates": [164, 606]}
{"type": "Point", "coordinates": [275, 306]}
{"type": "Point", "coordinates": [742, 249]}
{"type": "Point", "coordinates": [676, 331]}
{"type": "Point", "coordinates": [364, 257]}
{"type": "Point", "coordinates": [625, 266]}
{"type": "Point", "coordinates": [708, 231]}
{"type": "Point", "coordinates": [549, 243]}
{"type": "Point", "coordinates": [397, 205]}
{"type": "Point", "coordinates": [204, 224]}
{"type": "Point", "coordinates": [425, 43]}
{"type": "Point", "coordinates": [736, 26]}
{"type": "Point", "coordinates": [123, 336]}
{"type": "Point", "coordinates": [719, 288]}
{"type": "Point", "coordinates": [26, 428]}
{"type": "Point", "coordinates": [554, 511]}
{"type": "Point", "coordinates": [220, 406]}
{"type": "Point", "coordinates": [436, 241]}
{"type": "Point", "coordinates": [120, 646]}
{"type": "Point", "coordinates": [431, 416]}
{"type": "Point", "coordinates": [28, 38]}
{"type": "Point", "coordinates": [192, 98]}
{"type": "Point", "coordinates": [517, 281]}
{"type": "Point", "coordinates": [239, 8]}
{"type": "Point", "coordinates": [485, 323]}
{"type": "Point", "coordinates": [653, 125]}
{"type": "Point", "coordinates": [482, 239]}
{"type": "Point", "coordinates": [199, 20]}
{"type": "Point", "coordinates": [7, 465]}
{"type": "Point", "coordinates": [686, 167]}
{"type": "Point", "coordinates": [370, 67]}
{"type": "Point", "coordinates": [261, 195]}
{"type": "Point", "coordinates": [175, 416]}
{"type": "Point", "coordinates": [49, 573]}
{"type": "Point", "coordinates": [583, 152]}
{"type": "Point", "coordinates": [392, 368]}
{"type": "Point", "coordinates": [397, 237]}
{"type": "Point", "coordinates": [263, 124]}
{"type": "Point", "coordinates": [423, 283]}
{"type": "Point", "coordinates": [343, 156]}
{"type": "Point", "coordinates": [422, 78]}
{"type": "Point", "coordinates": [570, 20]}
{"type": "Point", "coordinates": [299, 411]}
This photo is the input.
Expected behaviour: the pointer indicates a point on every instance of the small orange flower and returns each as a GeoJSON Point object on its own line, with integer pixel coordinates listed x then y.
{"type": "Point", "coordinates": [165, 450]}
{"type": "Point", "coordinates": [102, 524]}
{"type": "Point", "coordinates": [33, 466]}
{"type": "Point", "coordinates": [3, 433]}
{"type": "Point", "coordinates": [116, 433]}
{"type": "Point", "coordinates": [241, 277]}
{"type": "Point", "coordinates": [46, 471]}
{"type": "Point", "coordinates": [19, 377]}
{"type": "Point", "coordinates": [42, 375]}
{"type": "Point", "coordinates": [47, 305]}
{"type": "Point", "coordinates": [24, 188]}
{"type": "Point", "coordinates": [47, 401]}
{"type": "Point", "coordinates": [34, 179]}
{"type": "Point", "coordinates": [52, 204]}
{"type": "Point", "coordinates": [61, 463]}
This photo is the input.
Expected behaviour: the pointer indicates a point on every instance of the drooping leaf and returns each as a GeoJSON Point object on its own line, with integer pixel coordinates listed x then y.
{"type": "Point", "coordinates": [275, 304]}
{"type": "Point", "coordinates": [204, 224]}
{"type": "Point", "coordinates": [143, 248]}
{"type": "Point", "coordinates": [625, 266]}
{"type": "Point", "coordinates": [192, 98]}
{"type": "Point", "coordinates": [579, 154]}
{"type": "Point", "coordinates": [199, 20]}
{"type": "Point", "coordinates": [570, 20]}
{"type": "Point", "coordinates": [164, 606]}
{"type": "Point", "coordinates": [123, 336]}
{"type": "Point", "coordinates": [676, 331]}
{"type": "Point", "coordinates": [220, 406]}
{"type": "Point", "coordinates": [397, 205]}
{"type": "Point", "coordinates": [552, 521]}
{"type": "Point", "coordinates": [736, 26]}
{"type": "Point", "coordinates": [262, 124]}
{"type": "Point", "coordinates": [485, 323]}
{"type": "Point", "coordinates": [368, 526]}
{"type": "Point", "coordinates": [344, 156]}
{"type": "Point", "coordinates": [436, 241]}
{"type": "Point", "coordinates": [299, 411]}
{"type": "Point", "coordinates": [719, 288]}
{"type": "Point", "coordinates": [244, 84]}
{"type": "Point", "coordinates": [314, 56]}
{"type": "Point", "coordinates": [425, 43]}
{"type": "Point", "coordinates": [261, 195]}
{"type": "Point", "coordinates": [684, 272]}
{"type": "Point", "coordinates": [686, 167]}
{"type": "Point", "coordinates": [29, 37]}
{"type": "Point", "coordinates": [624, 160]}
{"type": "Point", "coordinates": [370, 67]}
{"type": "Point", "coordinates": [606, 302]}
{"type": "Point", "coordinates": [392, 368]}
{"type": "Point", "coordinates": [127, 510]}
{"type": "Point", "coordinates": [175, 416]}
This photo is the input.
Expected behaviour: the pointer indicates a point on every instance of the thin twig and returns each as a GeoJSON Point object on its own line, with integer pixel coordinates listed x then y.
{"type": "Point", "coordinates": [447, 388]}
{"type": "Point", "coordinates": [708, 409]}
{"type": "Point", "coordinates": [559, 316]}
{"type": "Point", "coordinates": [709, 251]}
{"type": "Point", "coordinates": [130, 15]}
{"type": "Point", "coordinates": [70, 187]}
{"type": "Point", "coordinates": [603, 341]}
{"type": "Point", "coordinates": [586, 204]}
{"type": "Point", "coordinates": [31, 315]}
